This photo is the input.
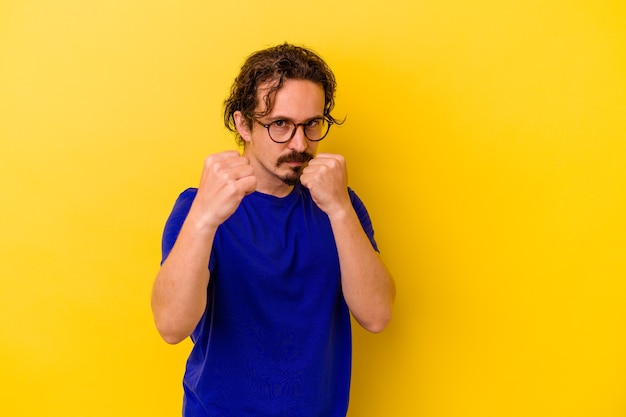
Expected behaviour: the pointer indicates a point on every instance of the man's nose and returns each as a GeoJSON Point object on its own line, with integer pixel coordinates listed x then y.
{"type": "Point", "coordinates": [299, 142]}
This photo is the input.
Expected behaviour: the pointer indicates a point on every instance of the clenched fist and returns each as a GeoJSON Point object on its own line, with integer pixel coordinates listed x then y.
{"type": "Point", "coordinates": [326, 177]}
{"type": "Point", "coordinates": [226, 178]}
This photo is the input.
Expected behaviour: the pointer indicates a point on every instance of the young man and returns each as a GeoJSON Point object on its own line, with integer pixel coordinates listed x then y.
{"type": "Point", "coordinates": [264, 262]}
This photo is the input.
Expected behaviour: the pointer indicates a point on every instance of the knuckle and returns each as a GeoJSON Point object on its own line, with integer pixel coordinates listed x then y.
{"type": "Point", "coordinates": [208, 161]}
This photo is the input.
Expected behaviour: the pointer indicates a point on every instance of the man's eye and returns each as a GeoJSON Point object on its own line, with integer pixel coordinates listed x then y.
{"type": "Point", "coordinates": [279, 123]}
{"type": "Point", "coordinates": [313, 123]}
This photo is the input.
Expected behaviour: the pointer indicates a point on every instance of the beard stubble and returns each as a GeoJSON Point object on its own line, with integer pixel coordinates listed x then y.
{"type": "Point", "coordinates": [294, 177]}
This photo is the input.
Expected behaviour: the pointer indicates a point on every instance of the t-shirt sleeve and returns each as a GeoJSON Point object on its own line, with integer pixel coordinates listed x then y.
{"type": "Point", "coordinates": [364, 217]}
{"type": "Point", "coordinates": [175, 221]}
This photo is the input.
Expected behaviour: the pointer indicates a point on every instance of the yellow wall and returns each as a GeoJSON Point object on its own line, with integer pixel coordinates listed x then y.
{"type": "Point", "coordinates": [487, 138]}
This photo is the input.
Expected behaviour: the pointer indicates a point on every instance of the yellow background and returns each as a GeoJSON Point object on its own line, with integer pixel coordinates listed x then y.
{"type": "Point", "coordinates": [487, 139]}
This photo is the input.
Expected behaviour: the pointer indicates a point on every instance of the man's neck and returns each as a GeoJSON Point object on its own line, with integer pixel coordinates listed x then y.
{"type": "Point", "coordinates": [276, 189]}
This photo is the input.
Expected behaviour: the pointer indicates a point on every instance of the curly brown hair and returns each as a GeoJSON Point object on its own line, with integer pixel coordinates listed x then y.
{"type": "Point", "coordinates": [276, 64]}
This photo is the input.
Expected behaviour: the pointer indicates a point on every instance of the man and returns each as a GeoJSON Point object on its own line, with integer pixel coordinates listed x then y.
{"type": "Point", "coordinates": [264, 262]}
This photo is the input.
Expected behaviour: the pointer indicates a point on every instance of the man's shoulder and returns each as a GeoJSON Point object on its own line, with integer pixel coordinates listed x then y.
{"type": "Point", "coordinates": [184, 201]}
{"type": "Point", "coordinates": [354, 198]}
{"type": "Point", "coordinates": [189, 193]}
{"type": "Point", "coordinates": [186, 197]}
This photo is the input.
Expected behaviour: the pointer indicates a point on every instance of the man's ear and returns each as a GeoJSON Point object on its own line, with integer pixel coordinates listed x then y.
{"type": "Point", "coordinates": [242, 126]}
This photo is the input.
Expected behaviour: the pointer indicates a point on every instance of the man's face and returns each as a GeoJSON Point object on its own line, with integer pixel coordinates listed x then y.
{"type": "Point", "coordinates": [278, 166]}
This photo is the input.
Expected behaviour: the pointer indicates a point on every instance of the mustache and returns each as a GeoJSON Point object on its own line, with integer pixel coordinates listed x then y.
{"type": "Point", "coordinates": [295, 157]}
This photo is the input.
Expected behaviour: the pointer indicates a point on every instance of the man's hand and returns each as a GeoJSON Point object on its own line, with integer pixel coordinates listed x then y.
{"type": "Point", "coordinates": [326, 177]}
{"type": "Point", "coordinates": [226, 178]}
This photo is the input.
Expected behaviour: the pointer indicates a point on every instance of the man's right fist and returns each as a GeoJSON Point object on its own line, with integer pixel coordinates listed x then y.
{"type": "Point", "coordinates": [227, 178]}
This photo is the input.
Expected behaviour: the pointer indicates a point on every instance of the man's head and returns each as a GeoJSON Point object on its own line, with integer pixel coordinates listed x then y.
{"type": "Point", "coordinates": [269, 68]}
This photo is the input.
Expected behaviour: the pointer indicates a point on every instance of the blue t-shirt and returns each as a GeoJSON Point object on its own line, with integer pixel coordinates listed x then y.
{"type": "Point", "coordinates": [275, 338]}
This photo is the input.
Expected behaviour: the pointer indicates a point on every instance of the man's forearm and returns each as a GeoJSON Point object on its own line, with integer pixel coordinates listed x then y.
{"type": "Point", "coordinates": [180, 288]}
{"type": "Point", "coordinates": [368, 287]}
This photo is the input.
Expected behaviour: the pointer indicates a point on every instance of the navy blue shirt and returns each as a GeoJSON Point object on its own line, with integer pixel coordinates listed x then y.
{"type": "Point", "coordinates": [275, 339]}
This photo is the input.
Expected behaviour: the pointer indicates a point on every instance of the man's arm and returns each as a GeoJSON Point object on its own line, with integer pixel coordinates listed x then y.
{"type": "Point", "coordinates": [367, 285]}
{"type": "Point", "coordinates": [180, 288]}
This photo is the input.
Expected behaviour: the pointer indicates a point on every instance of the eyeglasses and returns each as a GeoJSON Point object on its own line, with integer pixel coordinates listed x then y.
{"type": "Point", "coordinates": [281, 131]}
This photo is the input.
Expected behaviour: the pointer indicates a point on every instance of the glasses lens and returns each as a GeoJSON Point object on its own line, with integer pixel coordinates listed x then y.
{"type": "Point", "coordinates": [316, 129]}
{"type": "Point", "coordinates": [281, 130]}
